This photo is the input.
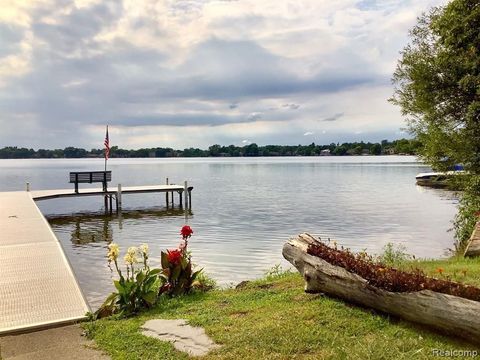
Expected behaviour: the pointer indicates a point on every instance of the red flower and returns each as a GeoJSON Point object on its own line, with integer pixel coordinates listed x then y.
{"type": "Point", "coordinates": [186, 231]}
{"type": "Point", "coordinates": [174, 256]}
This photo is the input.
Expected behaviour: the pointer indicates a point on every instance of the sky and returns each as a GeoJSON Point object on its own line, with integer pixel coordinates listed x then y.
{"type": "Point", "coordinates": [192, 73]}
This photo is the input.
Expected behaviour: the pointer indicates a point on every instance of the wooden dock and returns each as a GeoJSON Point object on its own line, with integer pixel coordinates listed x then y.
{"type": "Point", "coordinates": [116, 193]}
{"type": "Point", "coordinates": [37, 285]}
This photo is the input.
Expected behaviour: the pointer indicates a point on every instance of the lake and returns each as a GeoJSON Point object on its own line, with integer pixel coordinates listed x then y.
{"type": "Point", "coordinates": [243, 210]}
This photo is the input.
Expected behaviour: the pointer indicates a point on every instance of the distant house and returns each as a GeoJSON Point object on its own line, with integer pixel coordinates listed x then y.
{"type": "Point", "coordinates": [390, 151]}
{"type": "Point", "coordinates": [325, 152]}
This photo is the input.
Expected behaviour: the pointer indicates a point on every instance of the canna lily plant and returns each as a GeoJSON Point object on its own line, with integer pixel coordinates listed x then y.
{"type": "Point", "coordinates": [177, 267]}
{"type": "Point", "coordinates": [138, 289]}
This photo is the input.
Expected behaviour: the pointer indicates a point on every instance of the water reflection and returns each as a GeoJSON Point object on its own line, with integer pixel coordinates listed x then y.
{"type": "Point", "coordinates": [85, 237]}
{"type": "Point", "coordinates": [99, 228]}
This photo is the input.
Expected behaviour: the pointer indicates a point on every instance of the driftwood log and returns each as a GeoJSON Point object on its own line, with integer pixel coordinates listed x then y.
{"type": "Point", "coordinates": [450, 314]}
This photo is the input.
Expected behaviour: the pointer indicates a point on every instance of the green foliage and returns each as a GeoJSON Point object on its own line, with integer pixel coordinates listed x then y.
{"type": "Point", "coordinates": [376, 149]}
{"type": "Point", "coordinates": [138, 290]}
{"type": "Point", "coordinates": [276, 272]}
{"type": "Point", "coordinates": [468, 208]}
{"type": "Point", "coordinates": [132, 294]}
{"type": "Point", "coordinates": [178, 273]}
{"type": "Point", "coordinates": [393, 255]}
{"type": "Point", "coordinates": [204, 283]}
{"type": "Point", "coordinates": [436, 85]}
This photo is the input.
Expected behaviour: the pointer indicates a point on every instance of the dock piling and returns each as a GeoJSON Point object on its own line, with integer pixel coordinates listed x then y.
{"type": "Point", "coordinates": [28, 187]}
{"type": "Point", "coordinates": [119, 198]}
{"type": "Point", "coordinates": [189, 198]}
{"type": "Point", "coordinates": [166, 194]}
{"type": "Point", "coordinates": [185, 190]}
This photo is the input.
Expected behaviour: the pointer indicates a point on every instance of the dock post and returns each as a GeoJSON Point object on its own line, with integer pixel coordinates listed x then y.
{"type": "Point", "coordinates": [180, 195]}
{"type": "Point", "coordinates": [28, 187]}
{"type": "Point", "coordinates": [185, 191]}
{"type": "Point", "coordinates": [110, 196]}
{"type": "Point", "coordinates": [106, 203]}
{"type": "Point", "coordinates": [189, 199]}
{"type": "Point", "coordinates": [119, 197]}
{"type": "Point", "coordinates": [166, 194]}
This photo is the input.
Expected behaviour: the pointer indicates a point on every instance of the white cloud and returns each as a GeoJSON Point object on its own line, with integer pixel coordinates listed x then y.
{"type": "Point", "coordinates": [228, 70]}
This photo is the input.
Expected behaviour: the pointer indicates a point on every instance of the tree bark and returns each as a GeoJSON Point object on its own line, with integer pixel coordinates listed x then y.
{"type": "Point", "coordinates": [450, 314]}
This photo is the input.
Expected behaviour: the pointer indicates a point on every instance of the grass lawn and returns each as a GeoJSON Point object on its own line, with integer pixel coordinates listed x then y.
{"type": "Point", "coordinates": [273, 318]}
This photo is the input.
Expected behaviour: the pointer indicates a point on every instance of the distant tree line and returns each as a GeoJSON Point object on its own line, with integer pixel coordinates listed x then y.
{"type": "Point", "coordinates": [402, 146]}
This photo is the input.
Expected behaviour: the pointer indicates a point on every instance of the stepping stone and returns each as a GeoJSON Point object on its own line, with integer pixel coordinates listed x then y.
{"type": "Point", "coordinates": [184, 337]}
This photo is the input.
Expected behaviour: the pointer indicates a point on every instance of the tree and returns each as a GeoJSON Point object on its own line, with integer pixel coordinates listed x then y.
{"type": "Point", "coordinates": [251, 150]}
{"type": "Point", "coordinates": [376, 149]}
{"type": "Point", "coordinates": [437, 85]}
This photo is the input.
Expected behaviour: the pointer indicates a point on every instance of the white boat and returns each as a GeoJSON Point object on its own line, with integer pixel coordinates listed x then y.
{"type": "Point", "coordinates": [436, 179]}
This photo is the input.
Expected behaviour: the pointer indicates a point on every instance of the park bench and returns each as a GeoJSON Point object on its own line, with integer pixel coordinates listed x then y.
{"type": "Point", "coordinates": [89, 177]}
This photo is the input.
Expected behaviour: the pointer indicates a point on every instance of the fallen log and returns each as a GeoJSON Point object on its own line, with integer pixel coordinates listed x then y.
{"type": "Point", "coordinates": [450, 314]}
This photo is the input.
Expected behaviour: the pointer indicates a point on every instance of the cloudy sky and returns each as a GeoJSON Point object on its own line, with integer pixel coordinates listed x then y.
{"type": "Point", "coordinates": [184, 73]}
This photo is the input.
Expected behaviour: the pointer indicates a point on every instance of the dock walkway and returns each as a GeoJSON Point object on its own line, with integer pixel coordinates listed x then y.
{"type": "Point", "coordinates": [52, 194]}
{"type": "Point", "coordinates": [37, 285]}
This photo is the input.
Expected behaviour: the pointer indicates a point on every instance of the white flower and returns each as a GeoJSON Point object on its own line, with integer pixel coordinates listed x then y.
{"type": "Point", "coordinates": [131, 257]}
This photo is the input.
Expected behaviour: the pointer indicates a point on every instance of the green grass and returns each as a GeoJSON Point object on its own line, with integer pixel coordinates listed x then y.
{"type": "Point", "coordinates": [464, 270]}
{"type": "Point", "coordinates": [274, 319]}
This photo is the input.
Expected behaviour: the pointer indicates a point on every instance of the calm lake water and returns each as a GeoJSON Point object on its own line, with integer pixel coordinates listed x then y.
{"type": "Point", "coordinates": [243, 210]}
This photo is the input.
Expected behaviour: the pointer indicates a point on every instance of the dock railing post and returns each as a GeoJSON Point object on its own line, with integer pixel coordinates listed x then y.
{"type": "Point", "coordinates": [119, 198]}
{"type": "Point", "coordinates": [28, 187]}
{"type": "Point", "coordinates": [166, 195]}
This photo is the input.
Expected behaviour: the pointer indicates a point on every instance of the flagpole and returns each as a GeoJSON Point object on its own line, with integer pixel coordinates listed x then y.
{"type": "Point", "coordinates": [107, 148]}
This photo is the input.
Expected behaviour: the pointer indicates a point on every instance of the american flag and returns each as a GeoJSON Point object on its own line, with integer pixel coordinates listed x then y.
{"type": "Point", "coordinates": [107, 145]}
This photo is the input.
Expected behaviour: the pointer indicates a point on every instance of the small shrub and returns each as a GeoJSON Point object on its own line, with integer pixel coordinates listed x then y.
{"type": "Point", "coordinates": [277, 272]}
{"type": "Point", "coordinates": [394, 255]}
{"type": "Point", "coordinates": [204, 283]}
